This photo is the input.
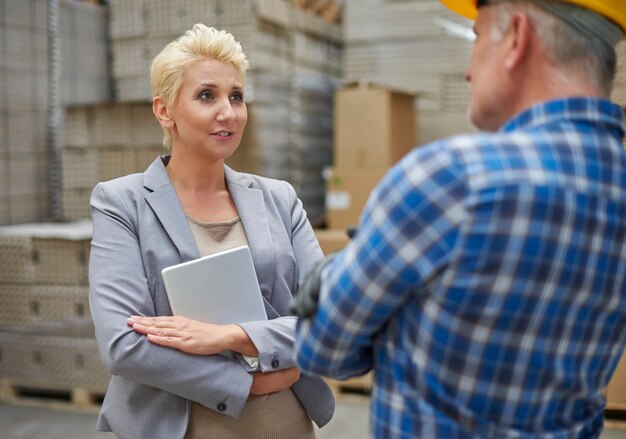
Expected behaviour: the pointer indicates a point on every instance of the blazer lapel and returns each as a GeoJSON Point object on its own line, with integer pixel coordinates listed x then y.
{"type": "Point", "coordinates": [251, 207]}
{"type": "Point", "coordinates": [166, 206]}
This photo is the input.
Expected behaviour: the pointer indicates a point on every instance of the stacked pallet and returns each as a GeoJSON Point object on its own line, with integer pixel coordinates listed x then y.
{"type": "Point", "coordinates": [327, 10]}
{"type": "Point", "coordinates": [46, 333]}
{"type": "Point", "coordinates": [139, 29]}
{"type": "Point", "coordinates": [298, 55]}
{"type": "Point", "coordinates": [23, 104]}
{"type": "Point", "coordinates": [101, 143]}
{"type": "Point", "coordinates": [295, 62]}
{"type": "Point", "coordinates": [84, 59]}
{"type": "Point", "coordinates": [24, 91]}
{"type": "Point", "coordinates": [415, 45]}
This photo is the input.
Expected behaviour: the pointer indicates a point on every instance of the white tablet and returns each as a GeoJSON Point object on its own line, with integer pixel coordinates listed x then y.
{"type": "Point", "coordinates": [220, 288]}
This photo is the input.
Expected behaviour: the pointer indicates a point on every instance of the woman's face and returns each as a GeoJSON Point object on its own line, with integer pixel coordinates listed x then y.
{"type": "Point", "coordinates": [210, 113]}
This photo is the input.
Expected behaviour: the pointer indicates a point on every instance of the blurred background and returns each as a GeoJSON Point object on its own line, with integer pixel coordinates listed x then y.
{"type": "Point", "coordinates": [338, 91]}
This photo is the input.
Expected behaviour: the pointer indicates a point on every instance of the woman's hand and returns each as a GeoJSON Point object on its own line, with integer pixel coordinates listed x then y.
{"type": "Point", "coordinates": [192, 336]}
{"type": "Point", "coordinates": [272, 382]}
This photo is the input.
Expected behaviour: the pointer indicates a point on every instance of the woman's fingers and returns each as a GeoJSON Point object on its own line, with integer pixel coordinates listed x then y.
{"type": "Point", "coordinates": [160, 336]}
{"type": "Point", "coordinates": [153, 330]}
{"type": "Point", "coordinates": [166, 341]}
{"type": "Point", "coordinates": [163, 321]}
{"type": "Point", "coordinates": [181, 333]}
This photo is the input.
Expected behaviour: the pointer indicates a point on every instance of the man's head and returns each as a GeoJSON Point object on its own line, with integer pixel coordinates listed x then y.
{"type": "Point", "coordinates": [528, 51]}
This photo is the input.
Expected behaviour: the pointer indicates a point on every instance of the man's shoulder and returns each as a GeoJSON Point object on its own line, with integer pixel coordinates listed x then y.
{"type": "Point", "coordinates": [480, 140]}
{"type": "Point", "coordinates": [482, 156]}
{"type": "Point", "coordinates": [463, 148]}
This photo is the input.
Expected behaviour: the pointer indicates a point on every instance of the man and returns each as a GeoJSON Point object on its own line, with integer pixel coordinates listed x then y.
{"type": "Point", "coordinates": [486, 285]}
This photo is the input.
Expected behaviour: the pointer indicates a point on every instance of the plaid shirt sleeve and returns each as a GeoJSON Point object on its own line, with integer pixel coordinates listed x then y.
{"type": "Point", "coordinates": [405, 237]}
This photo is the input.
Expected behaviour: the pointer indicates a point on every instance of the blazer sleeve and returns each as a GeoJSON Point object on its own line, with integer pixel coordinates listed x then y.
{"type": "Point", "coordinates": [119, 288]}
{"type": "Point", "coordinates": [275, 339]}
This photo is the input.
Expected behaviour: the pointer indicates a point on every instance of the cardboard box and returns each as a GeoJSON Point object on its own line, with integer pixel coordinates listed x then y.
{"type": "Point", "coordinates": [616, 390]}
{"type": "Point", "coordinates": [347, 191]}
{"type": "Point", "coordinates": [331, 240]}
{"type": "Point", "coordinates": [374, 126]}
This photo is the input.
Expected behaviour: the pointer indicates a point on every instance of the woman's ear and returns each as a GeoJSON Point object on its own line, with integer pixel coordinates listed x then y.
{"type": "Point", "coordinates": [162, 113]}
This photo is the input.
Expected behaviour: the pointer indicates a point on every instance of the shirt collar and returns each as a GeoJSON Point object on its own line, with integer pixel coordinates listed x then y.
{"type": "Point", "coordinates": [577, 109]}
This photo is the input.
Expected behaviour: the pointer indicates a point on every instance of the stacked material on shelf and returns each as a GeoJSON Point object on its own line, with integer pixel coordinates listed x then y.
{"type": "Point", "coordinates": [46, 333]}
{"type": "Point", "coordinates": [361, 157]}
{"type": "Point", "coordinates": [328, 10]}
{"type": "Point", "coordinates": [24, 90]}
{"type": "Point", "coordinates": [84, 58]}
{"type": "Point", "coordinates": [414, 45]}
{"type": "Point", "coordinates": [421, 46]}
{"type": "Point", "coordinates": [295, 60]}
{"type": "Point", "coordinates": [101, 143]}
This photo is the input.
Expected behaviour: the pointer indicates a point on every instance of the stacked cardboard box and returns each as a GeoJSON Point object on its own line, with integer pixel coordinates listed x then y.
{"type": "Point", "coordinates": [616, 391]}
{"type": "Point", "coordinates": [374, 128]}
{"type": "Point", "coordinates": [416, 45]}
{"type": "Point", "coordinates": [46, 333]}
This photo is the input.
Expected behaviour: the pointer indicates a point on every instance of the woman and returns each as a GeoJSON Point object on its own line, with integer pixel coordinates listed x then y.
{"type": "Point", "coordinates": [168, 381]}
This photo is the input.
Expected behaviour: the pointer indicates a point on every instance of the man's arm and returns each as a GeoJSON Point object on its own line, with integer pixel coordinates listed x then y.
{"type": "Point", "coordinates": [406, 235]}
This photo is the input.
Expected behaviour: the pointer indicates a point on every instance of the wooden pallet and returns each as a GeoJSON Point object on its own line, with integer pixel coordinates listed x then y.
{"type": "Point", "coordinates": [358, 386]}
{"type": "Point", "coordinates": [36, 396]}
{"type": "Point", "coordinates": [615, 415]}
{"type": "Point", "coordinates": [616, 406]}
{"type": "Point", "coordinates": [615, 425]}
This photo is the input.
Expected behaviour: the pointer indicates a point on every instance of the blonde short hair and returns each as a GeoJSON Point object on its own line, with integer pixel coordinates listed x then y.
{"type": "Point", "coordinates": [200, 42]}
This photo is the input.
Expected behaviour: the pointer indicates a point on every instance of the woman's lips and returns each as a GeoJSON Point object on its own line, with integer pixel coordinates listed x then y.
{"type": "Point", "coordinates": [222, 135]}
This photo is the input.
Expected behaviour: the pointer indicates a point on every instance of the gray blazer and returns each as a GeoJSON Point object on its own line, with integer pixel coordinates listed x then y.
{"type": "Point", "coordinates": [139, 229]}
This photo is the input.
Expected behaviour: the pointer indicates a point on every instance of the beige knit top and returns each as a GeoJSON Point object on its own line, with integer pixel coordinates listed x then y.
{"type": "Point", "coordinates": [274, 416]}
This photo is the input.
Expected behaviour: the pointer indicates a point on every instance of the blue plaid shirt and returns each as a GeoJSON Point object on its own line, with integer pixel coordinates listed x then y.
{"type": "Point", "coordinates": [486, 285]}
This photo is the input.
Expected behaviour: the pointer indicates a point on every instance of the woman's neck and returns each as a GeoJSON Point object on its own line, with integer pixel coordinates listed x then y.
{"type": "Point", "coordinates": [196, 176]}
{"type": "Point", "coordinates": [201, 188]}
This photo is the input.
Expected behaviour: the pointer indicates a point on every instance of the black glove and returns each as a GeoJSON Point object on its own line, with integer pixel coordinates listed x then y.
{"type": "Point", "coordinates": [304, 304]}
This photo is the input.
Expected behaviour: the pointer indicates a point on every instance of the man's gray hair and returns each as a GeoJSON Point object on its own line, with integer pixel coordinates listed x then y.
{"type": "Point", "coordinates": [576, 52]}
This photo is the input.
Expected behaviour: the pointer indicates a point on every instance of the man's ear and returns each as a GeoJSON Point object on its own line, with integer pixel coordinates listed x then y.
{"type": "Point", "coordinates": [161, 112]}
{"type": "Point", "coordinates": [518, 41]}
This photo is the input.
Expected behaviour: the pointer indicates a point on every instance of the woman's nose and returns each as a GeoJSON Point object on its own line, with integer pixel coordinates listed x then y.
{"type": "Point", "coordinates": [226, 112]}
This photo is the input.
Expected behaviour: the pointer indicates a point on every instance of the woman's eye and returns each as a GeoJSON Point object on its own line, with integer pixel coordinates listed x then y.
{"type": "Point", "coordinates": [237, 97]}
{"type": "Point", "coordinates": [205, 96]}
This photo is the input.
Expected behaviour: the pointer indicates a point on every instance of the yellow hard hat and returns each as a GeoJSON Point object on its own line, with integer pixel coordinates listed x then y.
{"type": "Point", "coordinates": [614, 10]}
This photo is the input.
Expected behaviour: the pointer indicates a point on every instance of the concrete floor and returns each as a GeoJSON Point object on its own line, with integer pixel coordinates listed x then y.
{"type": "Point", "coordinates": [351, 420]}
{"type": "Point", "coordinates": [25, 422]}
